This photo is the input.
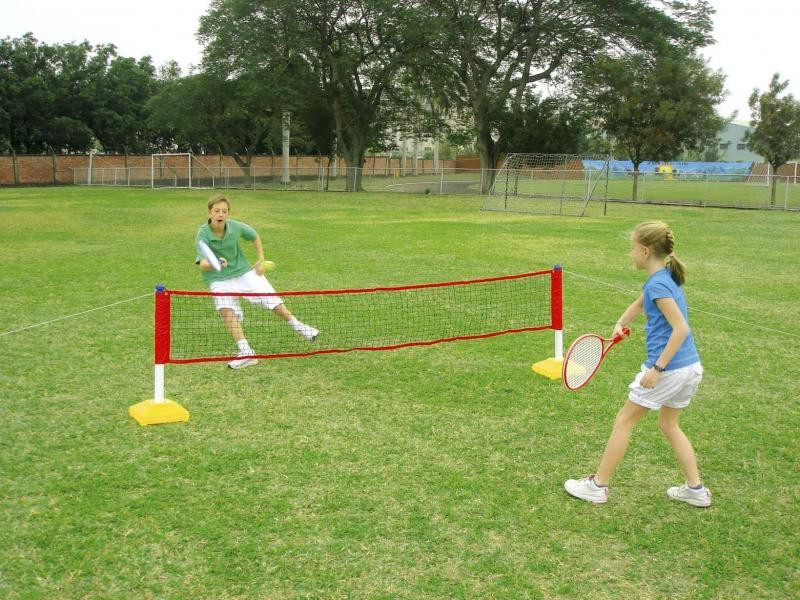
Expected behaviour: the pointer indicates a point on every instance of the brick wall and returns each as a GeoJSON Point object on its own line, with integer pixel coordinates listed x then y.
{"type": "Point", "coordinates": [58, 169]}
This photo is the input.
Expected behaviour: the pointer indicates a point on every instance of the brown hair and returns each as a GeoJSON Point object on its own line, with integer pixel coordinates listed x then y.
{"type": "Point", "coordinates": [657, 236]}
{"type": "Point", "coordinates": [216, 199]}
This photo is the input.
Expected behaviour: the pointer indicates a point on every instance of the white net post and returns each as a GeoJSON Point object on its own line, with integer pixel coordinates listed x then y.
{"type": "Point", "coordinates": [158, 380]}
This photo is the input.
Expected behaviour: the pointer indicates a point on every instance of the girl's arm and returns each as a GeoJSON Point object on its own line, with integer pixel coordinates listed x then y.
{"type": "Point", "coordinates": [206, 266]}
{"type": "Point", "coordinates": [634, 310]}
{"type": "Point", "coordinates": [260, 252]}
{"type": "Point", "coordinates": [680, 331]}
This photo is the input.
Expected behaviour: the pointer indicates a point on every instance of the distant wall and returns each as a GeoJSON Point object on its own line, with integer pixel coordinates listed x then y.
{"type": "Point", "coordinates": [57, 169]}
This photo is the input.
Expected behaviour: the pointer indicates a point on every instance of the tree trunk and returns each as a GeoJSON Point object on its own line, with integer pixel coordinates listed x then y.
{"type": "Point", "coordinates": [355, 163]}
{"type": "Point", "coordinates": [773, 186]}
{"type": "Point", "coordinates": [635, 192]}
{"type": "Point", "coordinates": [14, 166]}
{"type": "Point", "coordinates": [489, 153]}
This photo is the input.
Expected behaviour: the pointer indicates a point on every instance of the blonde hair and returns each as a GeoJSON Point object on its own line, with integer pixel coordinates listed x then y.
{"type": "Point", "coordinates": [657, 236]}
{"type": "Point", "coordinates": [216, 199]}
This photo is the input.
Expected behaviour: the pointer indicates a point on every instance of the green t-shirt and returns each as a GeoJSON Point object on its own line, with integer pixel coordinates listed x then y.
{"type": "Point", "coordinates": [227, 247]}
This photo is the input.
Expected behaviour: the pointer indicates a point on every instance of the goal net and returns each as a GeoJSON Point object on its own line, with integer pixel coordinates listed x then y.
{"type": "Point", "coordinates": [180, 170]}
{"type": "Point", "coordinates": [760, 175]}
{"type": "Point", "coordinates": [553, 184]}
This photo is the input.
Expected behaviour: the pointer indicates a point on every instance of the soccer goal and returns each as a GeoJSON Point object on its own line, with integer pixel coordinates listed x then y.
{"type": "Point", "coordinates": [180, 170]}
{"type": "Point", "coordinates": [760, 175]}
{"type": "Point", "coordinates": [189, 330]}
{"type": "Point", "coordinates": [553, 184]}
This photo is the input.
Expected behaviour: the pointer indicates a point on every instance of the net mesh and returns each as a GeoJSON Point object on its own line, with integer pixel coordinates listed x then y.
{"type": "Point", "coordinates": [556, 184]}
{"type": "Point", "coordinates": [370, 319]}
{"type": "Point", "coordinates": [582, 360]}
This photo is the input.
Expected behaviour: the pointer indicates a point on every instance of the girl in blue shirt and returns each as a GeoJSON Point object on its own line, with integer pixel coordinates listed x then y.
{"type": "Point", "coordinates": [669, 376]}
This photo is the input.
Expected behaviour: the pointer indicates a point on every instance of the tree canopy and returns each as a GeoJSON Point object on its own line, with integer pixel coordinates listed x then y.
{"type": "Point", "coordinates": [70, 97]}
{"type": "Point", "coordinates": [776, 126]}
{"type": "Point", "coordinates": [353, 50]}
{"type": "Point", "coordinates": [653, 107]}
{"type": "Point", "coordinates": [489, 55]}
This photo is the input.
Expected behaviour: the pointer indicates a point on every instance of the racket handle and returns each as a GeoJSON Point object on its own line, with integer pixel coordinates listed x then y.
{"type": "Point", "coordinates": [625, 333]}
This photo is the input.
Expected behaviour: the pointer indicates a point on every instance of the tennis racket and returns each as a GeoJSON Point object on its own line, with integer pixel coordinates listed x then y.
{"type": "Point", "coordinates": [212, 259]}
{"type": "Point", "coordinates": [585, 356]}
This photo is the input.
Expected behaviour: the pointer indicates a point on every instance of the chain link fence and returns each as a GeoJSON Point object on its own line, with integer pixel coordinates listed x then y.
{"type": "Point", "coordinates": [713, 189]}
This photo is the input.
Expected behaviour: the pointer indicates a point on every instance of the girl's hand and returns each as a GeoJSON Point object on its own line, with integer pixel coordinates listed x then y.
{"type": "Point", "coordinates": [618, 330]}
{"type": "Point", "coordinates": [650, 379]}
{"type": "Point", "coordinates": [222, 262]}
{"type": "Point", "coordinates": [259, 267]}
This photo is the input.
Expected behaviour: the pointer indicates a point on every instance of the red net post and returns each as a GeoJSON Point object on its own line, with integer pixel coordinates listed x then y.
{"type": "Point", "coordinates": [159, 409]}
{"type": "Point", "coordinates": [557, 310]}
{"type": "Point", "coordinates": [162, 317]}
{"type": "Point", "coordinates": [557, 299]}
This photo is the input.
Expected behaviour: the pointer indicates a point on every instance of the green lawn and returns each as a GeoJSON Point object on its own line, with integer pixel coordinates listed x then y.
{"type": "Point", "coordinates": [429, 472]}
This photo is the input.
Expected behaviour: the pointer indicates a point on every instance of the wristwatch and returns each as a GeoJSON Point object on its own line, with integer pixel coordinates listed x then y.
{"type": "Point", "coordinates": [658, 369]}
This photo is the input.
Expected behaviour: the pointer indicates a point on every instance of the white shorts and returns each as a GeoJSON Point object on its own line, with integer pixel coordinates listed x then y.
{"type": "Point", "coordinates": [250, 283]}
{"type": "Point", "coordinates": [674, 389]}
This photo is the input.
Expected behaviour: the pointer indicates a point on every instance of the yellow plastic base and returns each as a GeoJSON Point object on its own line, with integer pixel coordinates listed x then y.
{"type": "Point", "coordinates": [150, 412]}
{"type": "Point", "coordinates": [549, 367]}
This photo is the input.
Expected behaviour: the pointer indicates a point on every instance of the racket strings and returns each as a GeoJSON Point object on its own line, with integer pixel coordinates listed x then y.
{"type": "Point", "coordinates": [582, 361]}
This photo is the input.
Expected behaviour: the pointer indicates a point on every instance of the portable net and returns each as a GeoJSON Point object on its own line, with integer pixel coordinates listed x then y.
{"type": "Point", "coordinates": [189, 328]}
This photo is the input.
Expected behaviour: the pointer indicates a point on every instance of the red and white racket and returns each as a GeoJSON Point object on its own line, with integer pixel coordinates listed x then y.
{"type": "Point", "coordinates": [584, 357]}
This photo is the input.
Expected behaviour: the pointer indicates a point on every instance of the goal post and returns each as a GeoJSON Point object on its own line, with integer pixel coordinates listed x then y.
{"type": "Point", "coordinates": [180, 170]}
{"type": "Point", "coordinates": [189, 330]}
{"type": "Point", "coordinates": [555, 184]}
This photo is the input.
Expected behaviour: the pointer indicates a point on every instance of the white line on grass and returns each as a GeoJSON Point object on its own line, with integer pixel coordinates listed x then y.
{"type": "Point", "coordinates": [692, 308]}
{"type": "Point", "coordinates": [75, 315]}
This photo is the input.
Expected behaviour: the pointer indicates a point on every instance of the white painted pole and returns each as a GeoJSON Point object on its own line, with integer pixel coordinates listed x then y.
{"type": "Point", "coordinates": [559, 349]}
{"type": "Point", "coordinates": [286, 122]}
{"type": "Point", "coordinates": [89, 173]}
{"type": "Point", "coordinates": [158, 392]}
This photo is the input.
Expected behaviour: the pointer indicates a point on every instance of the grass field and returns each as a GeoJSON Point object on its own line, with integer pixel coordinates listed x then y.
{"type": "Point", "coordinates": [422, 473]}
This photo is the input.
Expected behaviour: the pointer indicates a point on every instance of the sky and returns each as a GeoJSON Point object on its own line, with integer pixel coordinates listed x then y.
{"type": "Point", "coordinates": [753, 39]}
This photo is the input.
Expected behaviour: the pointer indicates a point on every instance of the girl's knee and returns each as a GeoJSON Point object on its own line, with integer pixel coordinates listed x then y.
{"type": "Point", "coordinates": [668, 428]}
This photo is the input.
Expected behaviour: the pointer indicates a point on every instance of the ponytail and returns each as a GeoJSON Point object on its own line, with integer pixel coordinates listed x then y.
{"type": "Point", "coordinates": [657, 236]}
{"type": "Point", "coordinates": [676, 269]}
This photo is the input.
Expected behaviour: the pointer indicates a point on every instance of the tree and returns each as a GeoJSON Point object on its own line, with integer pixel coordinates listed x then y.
{"type": "Point", "coordinates": [550, 125]}
{"type": "Point", "coordinates": [206, 111]}
{"type": "Point", "coordinates": [776, 127]}
{"type": "Point", "coordinates": [26, 96]}
{"type": "Point", "coordinates": [354, 49]}
{"type": "Point", "coordinates": [119, 100]}
{"type": "Point", "coordinates": [655, 107]}
{"type": "Point", "coordinates": [67, 97]}
{"type": "Point", "coordinates": [490, 54]}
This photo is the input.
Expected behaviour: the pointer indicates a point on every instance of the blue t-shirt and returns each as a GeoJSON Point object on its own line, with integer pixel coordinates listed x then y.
{"type": "Point", "coordinates": [657, 329]}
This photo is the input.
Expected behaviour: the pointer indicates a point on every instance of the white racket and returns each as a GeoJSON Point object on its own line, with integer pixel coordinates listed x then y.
{"type": "Point", "coordinates": [585, 356]}
{"type": "Point", "coordinates": [209, 255]}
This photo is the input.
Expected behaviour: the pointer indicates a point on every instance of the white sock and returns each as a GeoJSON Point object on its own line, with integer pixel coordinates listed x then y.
{"type": "Point", "coordinates": [243, 345]}
{"type": "Point", "coordinates": [296, 325]}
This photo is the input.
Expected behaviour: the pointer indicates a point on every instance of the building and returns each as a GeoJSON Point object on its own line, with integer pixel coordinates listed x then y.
{"type": "Point", "coordinates": [732, 147]}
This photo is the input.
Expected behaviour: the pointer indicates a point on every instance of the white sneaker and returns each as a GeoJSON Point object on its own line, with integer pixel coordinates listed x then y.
{"type": "Point", "coordinates": [244, 360]}
{"type": "Point", "coordinates": [587, 489]}
{"type": "Point", "coordinates": [308, 332]}
{"type": "Point", "coordinates": [686, 494]}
